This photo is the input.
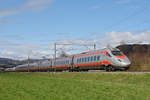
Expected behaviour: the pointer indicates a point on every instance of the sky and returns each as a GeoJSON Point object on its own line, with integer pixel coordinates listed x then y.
{"type": "Point", "coordinates": [31, 27]}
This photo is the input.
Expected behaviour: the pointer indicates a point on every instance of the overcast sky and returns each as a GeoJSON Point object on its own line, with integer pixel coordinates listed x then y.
{"type": "Point", "coordinates": [31, 27]}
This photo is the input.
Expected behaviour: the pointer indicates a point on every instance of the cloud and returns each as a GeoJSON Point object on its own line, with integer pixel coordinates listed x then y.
{"type": "Point", "coordinates": [124, 1]}
{"type": "Point", "coordinates": [4, 21]}
{"type": "Point", "coordinates": [129, 1]}
{"type": "Point", "coordinates": [30, 5]}
{"type": "Point", "coordinates": [13, 36]}
{"type": "Point", "coordinates": [6, 44]}
{"type": "Point", "coordinates": [95, 7]}
{"type": "Point", "coordinates": [35, 5]}
{"type": "Point", "coordinates": [116, 37]}
{"type": "Point", "coordinates": [21, 51]}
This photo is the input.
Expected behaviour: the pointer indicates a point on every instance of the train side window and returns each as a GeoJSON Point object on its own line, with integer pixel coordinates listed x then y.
{"type": "Point", "coordinates": [94, 58]}
{"type": "Point", "coordinates": [82, 60]}
{"type": "Point", "coordinates": [85, 59]}
{"type": "Point", "coordinates": [98, 58]}
{"type": "Point", "coordinates": [88, 59]}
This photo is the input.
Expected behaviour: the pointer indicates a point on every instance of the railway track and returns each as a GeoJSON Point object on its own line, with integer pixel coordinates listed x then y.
{"type": "Point", "coordinates": [116, 72]}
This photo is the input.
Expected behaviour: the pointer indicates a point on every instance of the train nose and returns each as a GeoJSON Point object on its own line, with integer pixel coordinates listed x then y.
{"type": "Point", "coordinates": [125, 64]}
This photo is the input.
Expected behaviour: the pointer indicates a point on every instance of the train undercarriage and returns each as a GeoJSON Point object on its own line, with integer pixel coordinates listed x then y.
{"type": "Point", "coordinates": [77, 69]}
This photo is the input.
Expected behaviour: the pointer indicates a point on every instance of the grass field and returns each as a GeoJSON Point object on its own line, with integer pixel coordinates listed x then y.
{"type": "Point", "coordinates": [74, 86]}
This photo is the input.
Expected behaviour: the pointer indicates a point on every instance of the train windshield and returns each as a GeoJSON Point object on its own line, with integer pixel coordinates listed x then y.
{"type": "Point", "coordinates": [117, 53]}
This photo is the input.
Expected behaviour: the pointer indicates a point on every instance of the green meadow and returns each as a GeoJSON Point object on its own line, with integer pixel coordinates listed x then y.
{"type": "Point", "coordinates": [74, 86]}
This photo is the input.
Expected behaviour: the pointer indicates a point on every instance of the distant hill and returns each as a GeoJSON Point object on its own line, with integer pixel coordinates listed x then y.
{"type": "Point", "coordinates": [8, 63]}
{"type": "Point", "coordinates": [5, 62]}
{"type": "Point", "coordinates": [139, 54]}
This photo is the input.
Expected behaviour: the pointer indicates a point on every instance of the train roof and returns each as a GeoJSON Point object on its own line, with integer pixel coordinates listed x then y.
{"type": "Point", "coordinates": [82, 53]}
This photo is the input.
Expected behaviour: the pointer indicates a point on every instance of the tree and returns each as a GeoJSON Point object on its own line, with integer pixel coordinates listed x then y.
{"type": "Point", "coordinates": [63, 54]}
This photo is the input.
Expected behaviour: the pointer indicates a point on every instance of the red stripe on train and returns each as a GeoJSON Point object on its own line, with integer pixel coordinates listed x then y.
{"type": "Point", "coordinates": [66, 66]}
{"type": "Point", "coordinates": [91, 53]}
{"type": "Point", "coordinates": [93, 64]}
{"type": "Point", "coordinates": [121, 57]}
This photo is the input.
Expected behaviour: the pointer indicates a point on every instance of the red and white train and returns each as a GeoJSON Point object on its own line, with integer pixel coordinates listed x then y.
{"type": "Point", "coordinates": [110, 59]}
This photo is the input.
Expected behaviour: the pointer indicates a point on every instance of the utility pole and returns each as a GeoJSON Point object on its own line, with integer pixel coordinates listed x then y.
{"type": "Point", "coordinates": [55, 56]}
{"type": "Point", "coordinates": [28, 63]}
{"type": "Point", "coordinates": [55, 50]}
{"type": "Point", "coordinates": [94, 46]}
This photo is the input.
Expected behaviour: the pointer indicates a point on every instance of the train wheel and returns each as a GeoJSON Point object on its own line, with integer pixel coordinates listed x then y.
{"type": "Point", "coordinates": [107, 68]}
{"type": "Point", "coordinates": [112, 68]}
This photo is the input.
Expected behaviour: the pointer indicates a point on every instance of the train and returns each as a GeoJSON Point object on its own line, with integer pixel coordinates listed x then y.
{"type": "Point", "coordinates": [109, 59]}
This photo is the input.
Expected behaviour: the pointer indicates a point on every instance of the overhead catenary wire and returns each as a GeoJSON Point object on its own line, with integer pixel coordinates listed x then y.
{"type": "Point", "coordinates": [126, 18]}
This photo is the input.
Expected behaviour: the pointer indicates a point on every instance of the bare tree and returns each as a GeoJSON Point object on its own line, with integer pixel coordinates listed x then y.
{"type": "Point", "coordinates": [63, 54]}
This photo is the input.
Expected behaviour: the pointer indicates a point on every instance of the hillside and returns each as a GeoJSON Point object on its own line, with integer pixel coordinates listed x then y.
{"type": "Point", "coordinates": [5, 62]}
{"type": "Point", "coordinates": [139, 54]}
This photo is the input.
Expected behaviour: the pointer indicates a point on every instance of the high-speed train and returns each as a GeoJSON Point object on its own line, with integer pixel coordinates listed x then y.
{"type": "Point", "coordinates": [109, 59]}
